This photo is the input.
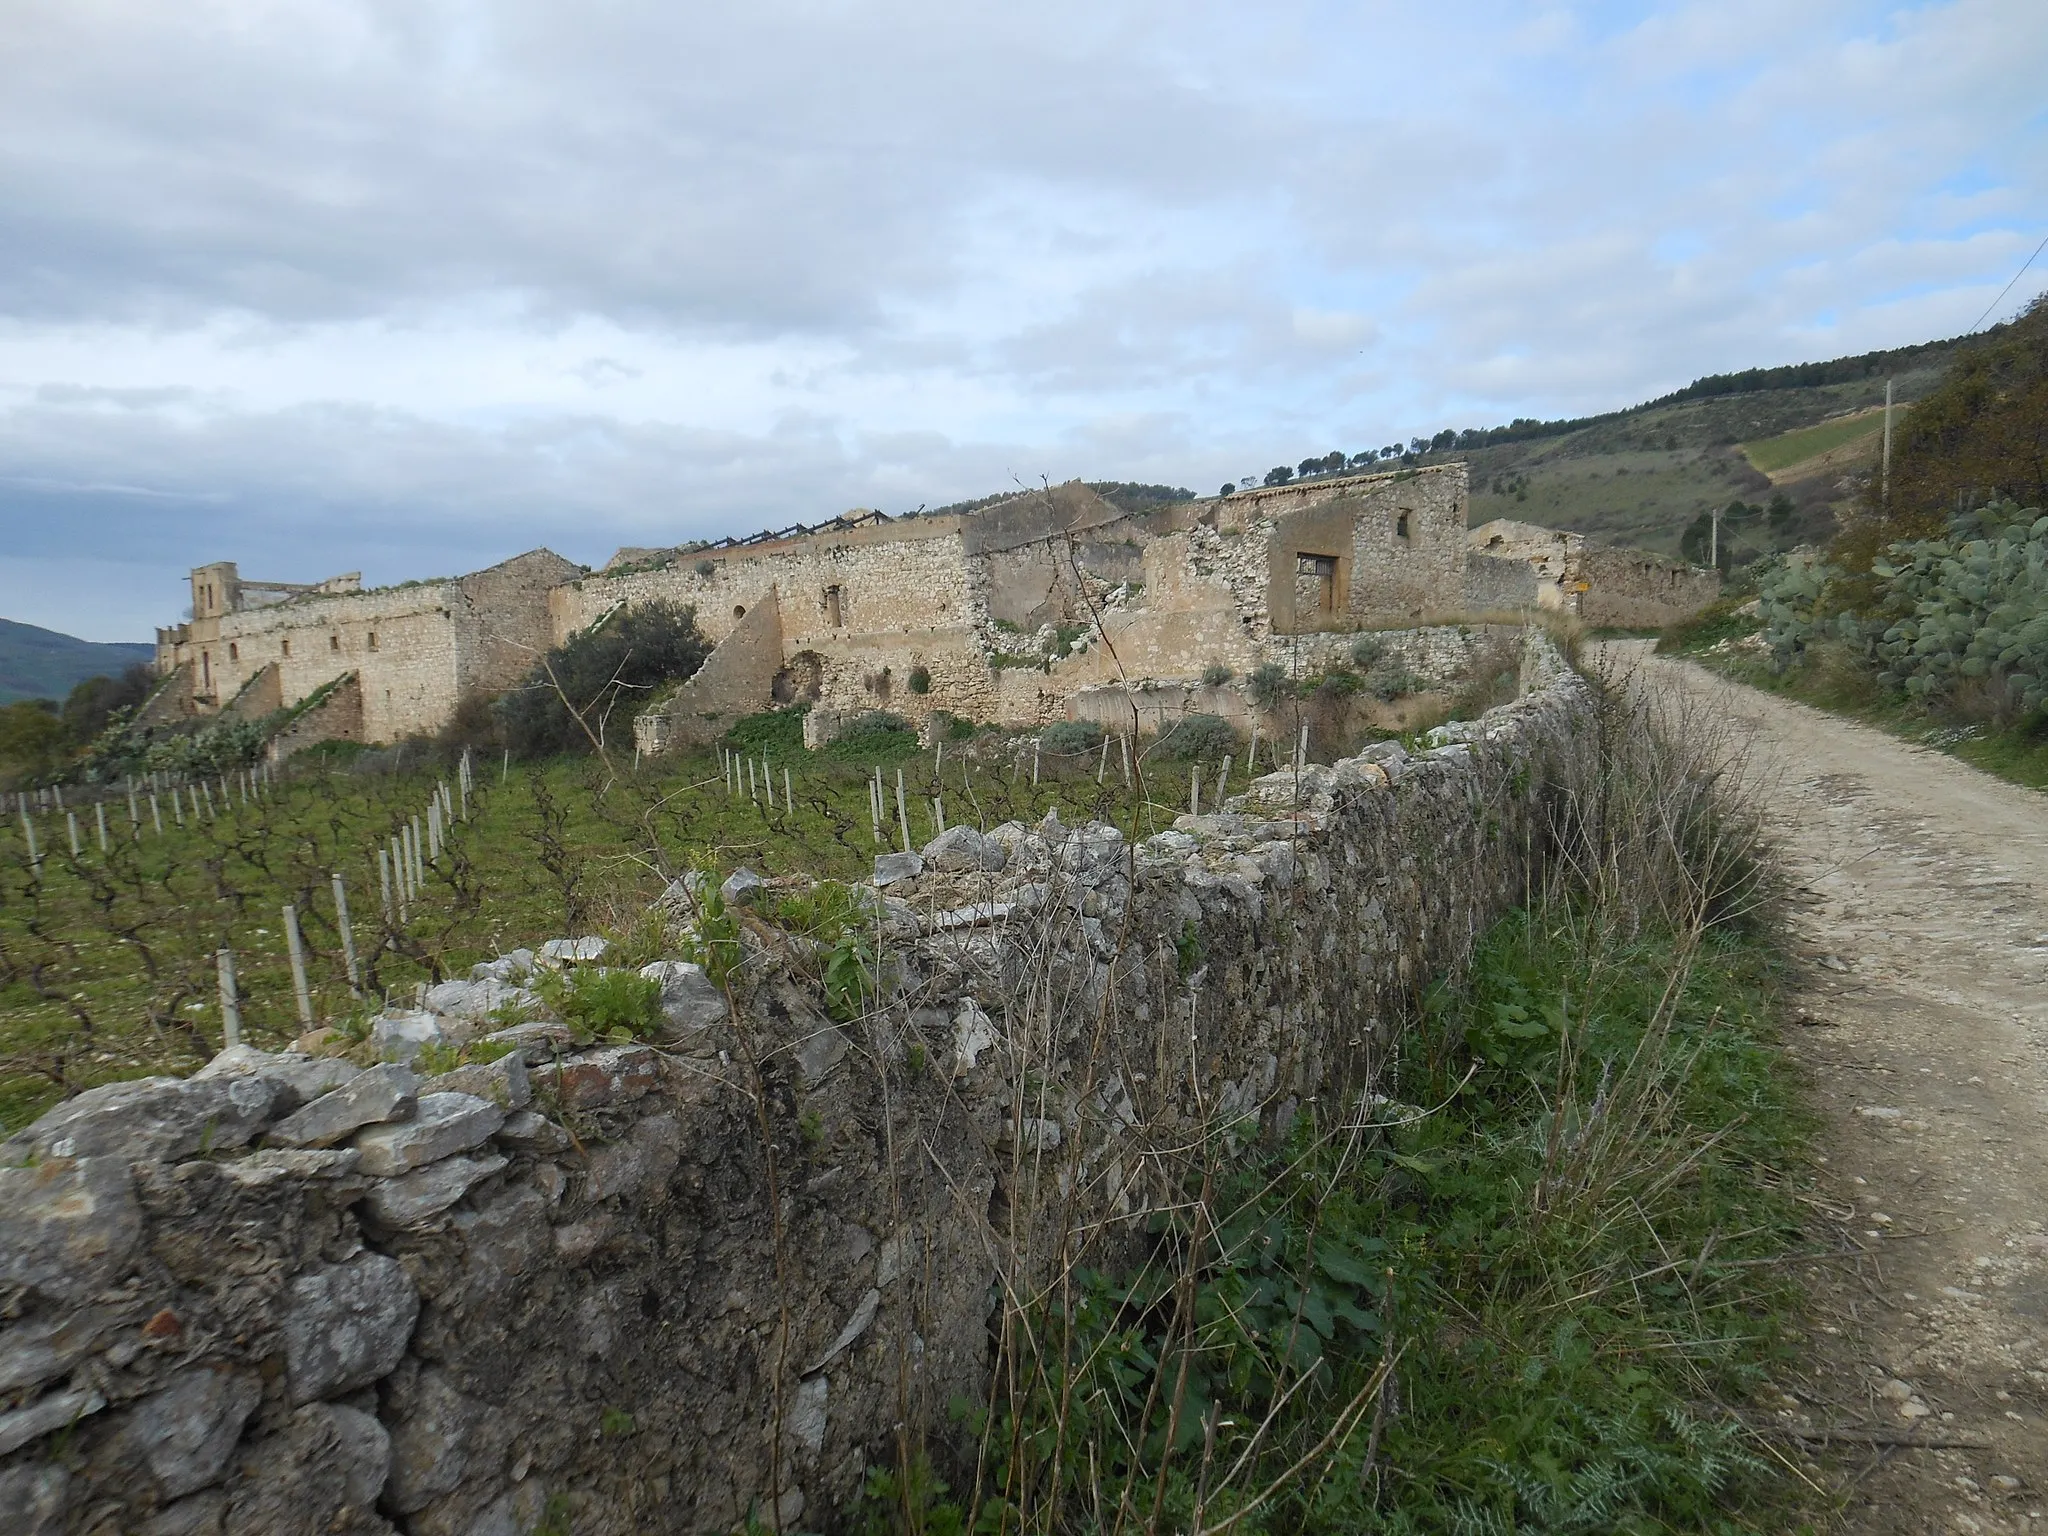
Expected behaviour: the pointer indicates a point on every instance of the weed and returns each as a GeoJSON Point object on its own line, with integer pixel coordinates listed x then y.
{"type": "Point", "coordinates": [603, 1003]}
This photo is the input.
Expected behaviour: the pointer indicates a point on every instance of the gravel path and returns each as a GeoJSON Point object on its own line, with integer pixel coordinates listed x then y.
{"type": "Point", "coordinates": [1921, 908]}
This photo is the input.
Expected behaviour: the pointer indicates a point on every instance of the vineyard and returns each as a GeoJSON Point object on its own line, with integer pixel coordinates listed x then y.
{"type": "Point", "coordinates": [113, 911]}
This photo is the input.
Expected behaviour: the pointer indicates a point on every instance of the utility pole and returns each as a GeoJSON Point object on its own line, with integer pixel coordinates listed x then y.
{"type": "Point", "coordinates": [1714, 549]}
{"type": "Point", "coordinates": [1885, 484]}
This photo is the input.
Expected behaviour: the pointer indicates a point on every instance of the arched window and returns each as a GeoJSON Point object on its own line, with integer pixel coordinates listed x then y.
{"type": "Point", "coordinates": [234, 651]}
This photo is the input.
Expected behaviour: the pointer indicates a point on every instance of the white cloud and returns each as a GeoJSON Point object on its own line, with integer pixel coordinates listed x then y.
{"type": "Point", "coordinates": [327, 283]}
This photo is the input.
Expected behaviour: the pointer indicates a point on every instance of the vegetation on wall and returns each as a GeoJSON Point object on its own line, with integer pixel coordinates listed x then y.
{"type": "Point", "coordinates": [583, 694]}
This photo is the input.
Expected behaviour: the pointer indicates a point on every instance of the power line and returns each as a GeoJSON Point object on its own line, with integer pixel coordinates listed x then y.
{"type": "Point", "coordinates": [2043, 246]}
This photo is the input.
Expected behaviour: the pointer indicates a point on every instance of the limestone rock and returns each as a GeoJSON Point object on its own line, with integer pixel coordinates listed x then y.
{"type": "Point", "coordinates": [690, 1000]}
{"type": "Point", "coordinates": [504, 1082]}
{"type": "Point", "coordinates": [537, 1040]}
{"type": "Point", "coordinates": [32, 1498]}
{"type": "Point", "coordinates": [68, 1227]}
{"type": "Point", "coordinates": [962, 849]}
{"type": "Point", "coordinates": [187, 1432]}
{"type": "Point", "coordinates": [892, 868]}
{"type": "Point", "coordinates": [152, 1119]}
{"type": "Point", "coordinates": [443, 1125]}
{"type": "Point", "coordinates": [742, 888]}
{"type": "Point", "coordinates": [297, 1076]}
{"type": "Point", "coordinates": [385, 1092]}
{"type": "Point", "coordinates": [45, 1416]}
{"type": "Point", "coordinates": [973, 1033]}
{"type": "Point", "coordinates": [648, 1155]}
{"type": "Point", "coordinates": [438, 1435]}
{"type": "Point", "coordinates": [557, 953]}
{"type": "Point", "coordinates": [347, 1325]}
{"type": "Point", "coordinates": [528, 1131]}
{"type": "Point", "coordinates": [614, 1074]}
{"type": "Point", "coordinates": [474, 1001]}
{"type": "Point", "coordinates": [515, 966]}
{"type": "Point", "coordinates": [276, 1164]}
{"type": "Point", "coordinates": [422, 1195]}
{"type": "Point", "coordinates": [203, 1514]}
{"type": "Point", "coordinates": [325, 1473]}
{"type": "Point", "coordinates": [32, 1353]}
{"type": "Point", "coordinates": [399, 1036]}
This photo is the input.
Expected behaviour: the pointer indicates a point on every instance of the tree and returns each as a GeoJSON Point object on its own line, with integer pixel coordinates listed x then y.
{"type": "Point", "coordinates": [94, 702]}
{"type": "Point", "coordinates": [1418, 445]}
{"type": "Point", "coordinates": [1333, 463]}
{"type": "Point", "coordinates": [1279, 474]}
{"type": "Point", "coordinates": [31, 741]}
{"type": "Point", "coordinates": [595, 682]}
{"type": "Point", "coordinates": [1366, 459]}
{"type": "Point", "coordinates": [1309, 467]}
{"type": "Point", "coordinates": [1444, 441]}
{"type": "Point", "coordinates": [1229, 488]}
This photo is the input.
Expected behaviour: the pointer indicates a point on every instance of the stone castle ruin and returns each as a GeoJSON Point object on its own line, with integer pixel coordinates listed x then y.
{"type": "Point", "coordinates": [1035, 609]}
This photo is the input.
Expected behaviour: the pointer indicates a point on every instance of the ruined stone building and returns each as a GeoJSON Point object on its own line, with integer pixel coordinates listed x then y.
{"type": "Point", "coordinates": [1003, 614]}
{"type": "Point", "coordinates": [1519, 565]}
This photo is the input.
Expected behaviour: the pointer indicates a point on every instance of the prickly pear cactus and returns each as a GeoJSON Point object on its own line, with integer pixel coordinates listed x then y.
{"type": "Point", "coordinates": [1972, 604]}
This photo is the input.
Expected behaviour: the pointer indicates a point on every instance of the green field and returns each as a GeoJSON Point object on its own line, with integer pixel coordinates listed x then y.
{"type": "Point", "coordinates": [1788, 448]}
{"type": "Point", "coordinates": [107, 966]}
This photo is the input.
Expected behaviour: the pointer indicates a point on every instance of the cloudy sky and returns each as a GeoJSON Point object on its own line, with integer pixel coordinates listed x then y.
{"type": "Point", "coordinates": [412, 285]}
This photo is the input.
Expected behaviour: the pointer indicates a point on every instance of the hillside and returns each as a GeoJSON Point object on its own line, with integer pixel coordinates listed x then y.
{"type": "Point", "coordinates": [43, 664]}
{"type": "Point", "coordinates": [1643, 476]}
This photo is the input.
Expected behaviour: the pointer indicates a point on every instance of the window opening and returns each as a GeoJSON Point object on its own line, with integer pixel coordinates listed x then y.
{"type": "Point", "coordinates": [1401, 527]}
{"type": "Point", "coordinates": [834, 615]}
{"type": "Point", "coordinates": [739, 610]}
{"type": "Point", "coordinates": [1317, 576]}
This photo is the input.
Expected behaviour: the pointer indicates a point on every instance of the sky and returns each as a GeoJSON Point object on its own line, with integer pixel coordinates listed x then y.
{"type": "Point", "coordinates": [410, 286]}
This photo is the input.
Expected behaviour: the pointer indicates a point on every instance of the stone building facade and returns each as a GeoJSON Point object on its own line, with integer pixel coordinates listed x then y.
{"type": "Point", "coordinates": [416, 650]}
{"type": "Point", "coordinates": [1001, 614]}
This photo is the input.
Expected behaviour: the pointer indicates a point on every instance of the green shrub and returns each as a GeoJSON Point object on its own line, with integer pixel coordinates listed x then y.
{"type": "Point", "coordinates": [920, 680]}
{"type": "Point", "coordinates": [1216, 674]}
{"type": "Point", "coordinates": [777, 734]}
{"type": "Point", "coordinates": [604, 673]}
{"type": "Point", "coordinates": [602, 1003]}
{"type": "Point", "coordinates": [1070, 737]}
{"type": "Point", "coordinates": [1366, 650]}
{"type": "Point", "coordinates": [1196, 738]}
{"type": "Point", "coordinates": [875, 737]}
{"type": "Point", "coordinates": [1388, 683]}
{"type": "Point", "coordinates": [1267, 686]}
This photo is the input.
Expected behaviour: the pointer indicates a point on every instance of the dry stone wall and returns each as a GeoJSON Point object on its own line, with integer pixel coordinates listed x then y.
{"type": "Point", "coordinates": [651, 1287]}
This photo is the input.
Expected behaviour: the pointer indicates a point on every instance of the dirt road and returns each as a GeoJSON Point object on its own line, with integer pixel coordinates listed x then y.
{"type": "Point", "coordinates": [1921, 909]}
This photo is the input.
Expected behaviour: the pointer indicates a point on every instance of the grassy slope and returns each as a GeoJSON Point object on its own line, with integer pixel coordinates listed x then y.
{"type": "Point", "coordinates": [1639, 479]}
{"type": "Point", "coordinates": [43, 664]}
{"type": "Point", "coordinates": [1790, 450]}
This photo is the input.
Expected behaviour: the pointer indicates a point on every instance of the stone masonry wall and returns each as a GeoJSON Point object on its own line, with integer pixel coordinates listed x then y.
{"type": "Point", "coordinates": [649, 1287]}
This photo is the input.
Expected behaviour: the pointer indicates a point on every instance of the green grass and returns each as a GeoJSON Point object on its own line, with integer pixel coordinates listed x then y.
{"type": "Point", "coordinates": [1573, 1334]}
{"type": "Point", "coordinates": [1772, 454]}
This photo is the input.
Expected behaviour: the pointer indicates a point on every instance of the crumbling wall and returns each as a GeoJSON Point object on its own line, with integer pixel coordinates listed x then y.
{"type": "Point", "coordinates": [337, 717]}
{"type": "Point", "coordinates": [1632, 589]}
{"type": "Point", "coordinates": [736, 679]}
{"type": "Point", "coordinates": [649, 1287]}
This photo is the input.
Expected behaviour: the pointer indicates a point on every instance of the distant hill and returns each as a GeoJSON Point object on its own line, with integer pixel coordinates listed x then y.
{"type": "Point", "coordinates": [42, 664]}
